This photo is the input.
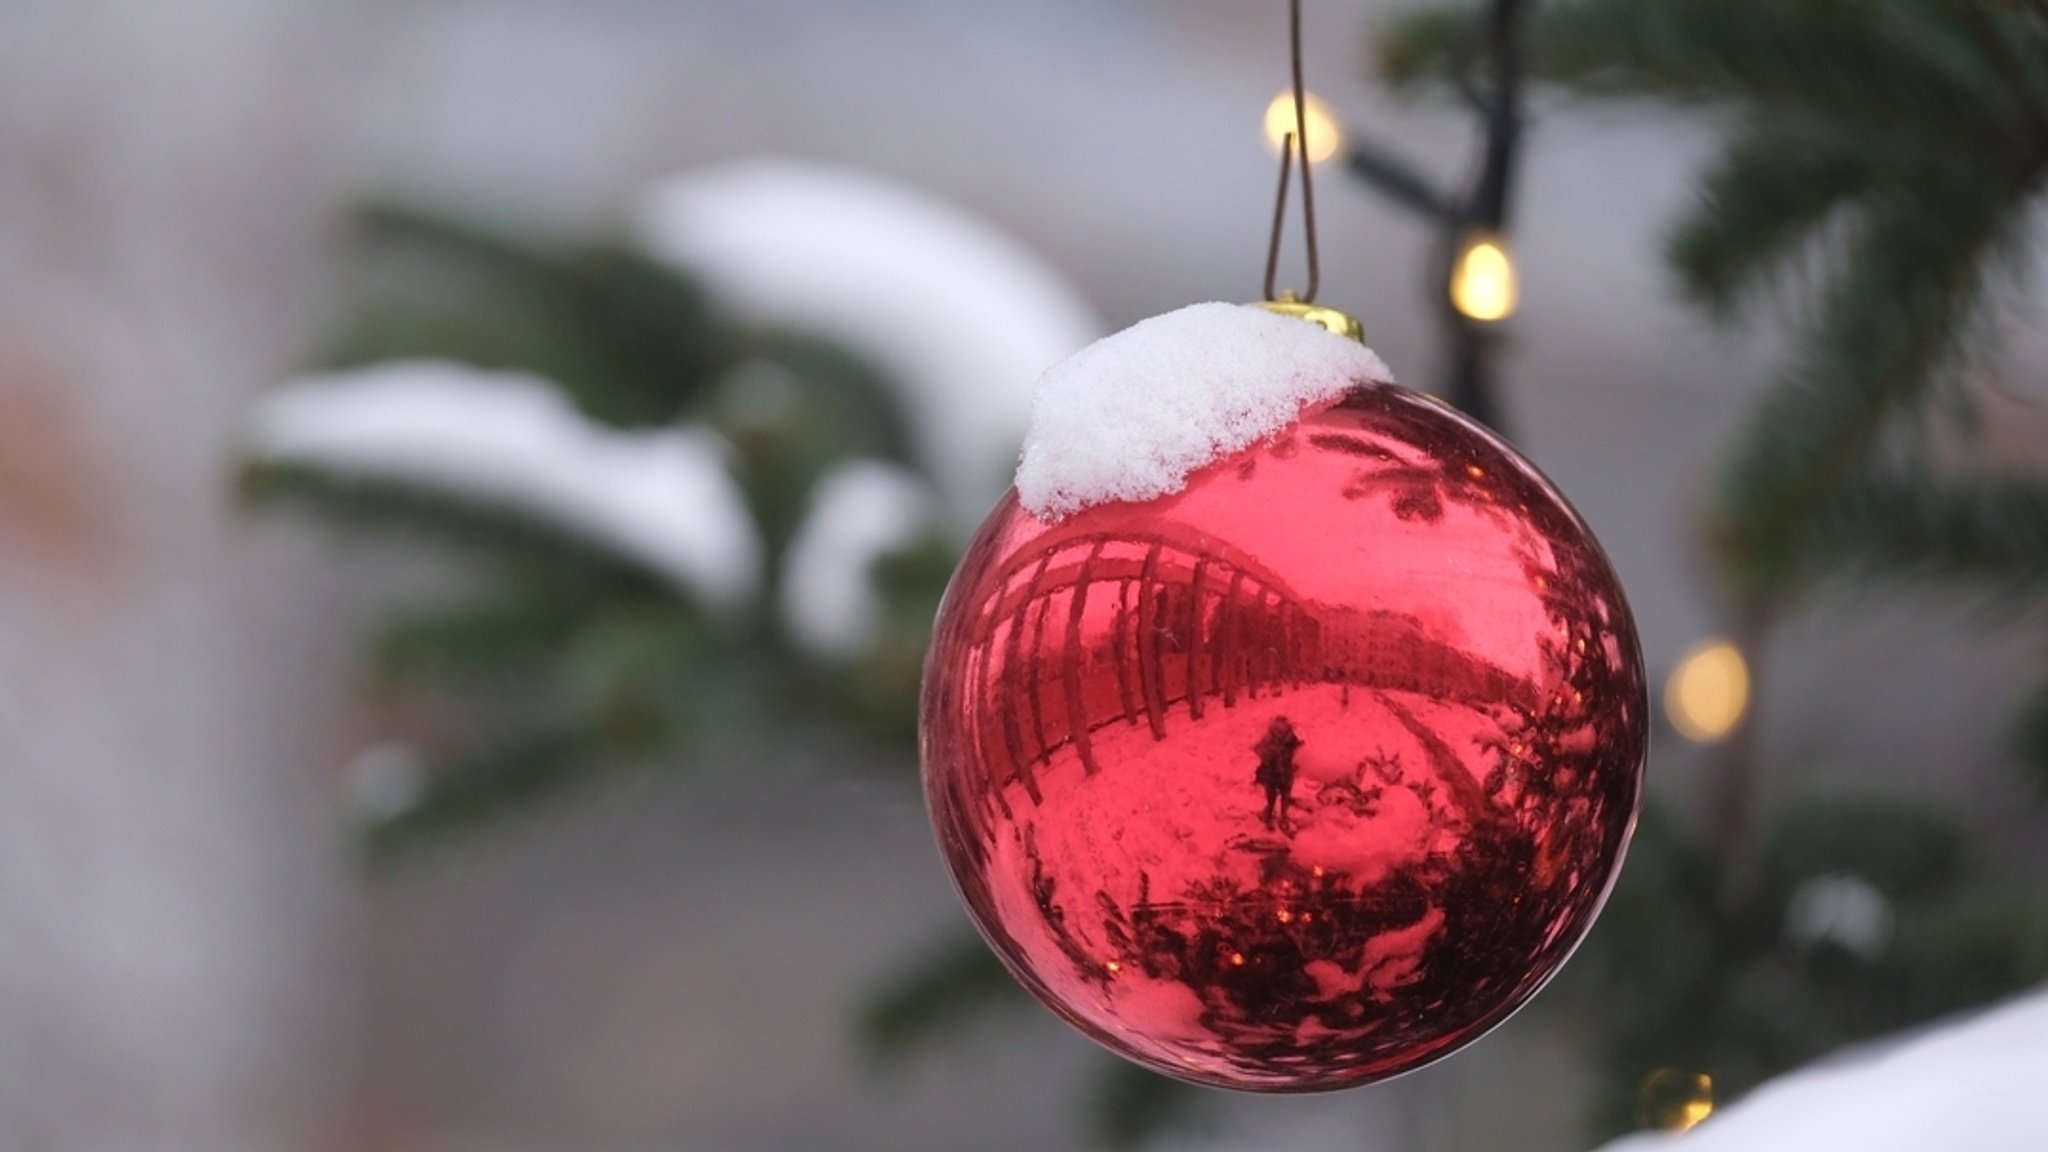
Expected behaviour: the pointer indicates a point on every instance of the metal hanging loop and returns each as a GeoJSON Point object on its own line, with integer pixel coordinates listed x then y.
{"type": "Point", "coordinates": [1300, 305]}
{"type": "Point", "coordinates": [1295, 144]}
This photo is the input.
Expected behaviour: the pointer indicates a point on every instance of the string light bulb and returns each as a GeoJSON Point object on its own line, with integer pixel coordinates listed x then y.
{"type": "Point", "coordinates": [1483, 282]}
{"type": "Point", "coordinates": [1675, 1100]}
{"type": "Point", "coordinates": [1324, 135]}
{"type": "Point", "coordinates": [1708, 692]}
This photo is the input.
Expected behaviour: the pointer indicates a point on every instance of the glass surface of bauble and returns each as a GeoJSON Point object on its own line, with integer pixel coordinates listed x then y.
{"type": "Point", "coordinates": [1305, 775]}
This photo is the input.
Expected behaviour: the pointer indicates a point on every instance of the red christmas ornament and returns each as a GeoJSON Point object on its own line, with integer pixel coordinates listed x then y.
{"type": "Point", "coordinates": [1303, 775]}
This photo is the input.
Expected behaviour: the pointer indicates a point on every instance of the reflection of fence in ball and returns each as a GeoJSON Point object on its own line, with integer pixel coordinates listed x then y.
{"type": "Point", "coordinates": [1185, 621]}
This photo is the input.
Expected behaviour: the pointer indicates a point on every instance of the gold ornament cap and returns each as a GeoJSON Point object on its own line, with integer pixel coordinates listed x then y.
{"type": "Point", "coordinates": [1341, 323]}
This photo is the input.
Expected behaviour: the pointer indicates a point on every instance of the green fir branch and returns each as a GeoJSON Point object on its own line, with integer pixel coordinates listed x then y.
{"type": "Point", "coordinates": [1971, 948]}
{"type": "Point", "coordinates": [629, 338]}
{"type": "Point", "coordinates": [665, 678]}
{"type": "Point", "coordinates": [2029, 739]}
{"type": "Point", "coordinates": [1986, 531]}
{"type": "Point", "coordinates": [1907, 290]}
{"type": "Point", "coordinates": [794, 410]}
{"type": "Point", "coordinates": [481, 786]}
{"type": "Point", "coordinates": [2016, 45]}
{"type": "Point", "coordinates": [632, 681]}
{"type": "Point", "coordinates": [414, 224]}
{"type": "Point", "coordinates": [1902, 848]}
{"type": "Point", "coordinates": [487, 325]}
{"type": "Point", "coordinates": [1129, 1106]}
{"type": "Point", "coordinates": [499, 531]}
{"type": "Point", "coordinates": [1779, 182]}
{"type": "Point", "coordinates": [512, 623]}
{"type": "Point", "coordinates": [845, 394]}
{"type": "Point", "coordinates": [956, 984]}
{"type": "Point", "coordinates": [656, 324]}
{"type": "Point", "coordinates": [1906, 66]}
{"type": "Point", "coordinates": [1421, 46]}
{"type": "Point", "coordinates": [1697, 963]}
{"type": "Point", "coordinates": [630, 685]}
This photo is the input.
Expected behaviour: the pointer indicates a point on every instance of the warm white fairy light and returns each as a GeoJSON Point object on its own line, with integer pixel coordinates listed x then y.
{"type": "Point", "coordinates": [1675, 1100]}
{"type": "Point", "coordinates": [1325, 137]}
{"type": "Point", "coordinates": [1483, 282]}
{"type": "Point", "coordinates": [1708, 692]}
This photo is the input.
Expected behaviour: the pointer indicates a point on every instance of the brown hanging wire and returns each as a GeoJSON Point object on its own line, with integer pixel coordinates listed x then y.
{"type": "Point", "coordinates": [1295, 142]}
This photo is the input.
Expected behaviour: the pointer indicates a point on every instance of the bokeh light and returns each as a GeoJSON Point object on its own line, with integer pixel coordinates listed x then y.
{"type": "Point", "coordinates": [1324, 135]}
{"type": "Point", "coordinates": [1675, 1100]}
{"type": "Point", "coordinates": [1708, 692]}
{"type": "Point", "coordinates": [1483, 283]}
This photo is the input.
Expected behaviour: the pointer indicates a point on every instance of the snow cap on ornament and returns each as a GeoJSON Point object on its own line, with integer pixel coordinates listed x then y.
{"type": "Point", "coordinates": [1130, 416]}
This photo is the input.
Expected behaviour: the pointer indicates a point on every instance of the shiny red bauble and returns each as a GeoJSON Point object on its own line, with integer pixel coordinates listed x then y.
{"type": "Point", "coordinates": [1302, 776]}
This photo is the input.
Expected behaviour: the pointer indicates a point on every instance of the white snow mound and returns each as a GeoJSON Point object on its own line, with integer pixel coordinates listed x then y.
{"type": "Point", "coordinates": [1132, 415]}
{"type": "Point", "coordinates": [1967, 1084]}
{"type": "Point", "coordinates": [860, 512]}
{"type": "Point", "coordinates": [660, 497]}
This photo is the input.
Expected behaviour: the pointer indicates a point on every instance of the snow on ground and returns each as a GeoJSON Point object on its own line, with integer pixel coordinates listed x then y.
{"type": "Point", "coordinates": [1963, 1086]}
{"type": "Point", "coordinates": [1130, 416]}
{"type": "Point", "coordinates": [959, 315]}
{"type": "Point", "coordinates": [859, 513]}
{"type": "Point", "coordinates": [1196, 813]}
{"type": "Point", "coordinates": [661, 497]}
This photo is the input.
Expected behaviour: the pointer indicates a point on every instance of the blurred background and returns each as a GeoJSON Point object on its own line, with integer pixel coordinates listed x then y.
{"type": "Point", "coordinates": [475, 475]}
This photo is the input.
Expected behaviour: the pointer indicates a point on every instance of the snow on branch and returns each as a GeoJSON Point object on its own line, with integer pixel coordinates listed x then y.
{"type": "Point", "coordinates": [661, 497]}
{"type": "Point", "coordinates": [860, 512]}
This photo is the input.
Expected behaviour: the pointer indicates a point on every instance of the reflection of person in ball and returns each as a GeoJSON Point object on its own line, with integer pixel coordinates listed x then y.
{"type": "Point", "coordinates": [1276, 769]}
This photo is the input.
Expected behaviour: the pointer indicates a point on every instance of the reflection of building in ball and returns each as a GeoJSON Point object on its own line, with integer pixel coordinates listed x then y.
{"type": "Point", "coordinates": [1335, 898]}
